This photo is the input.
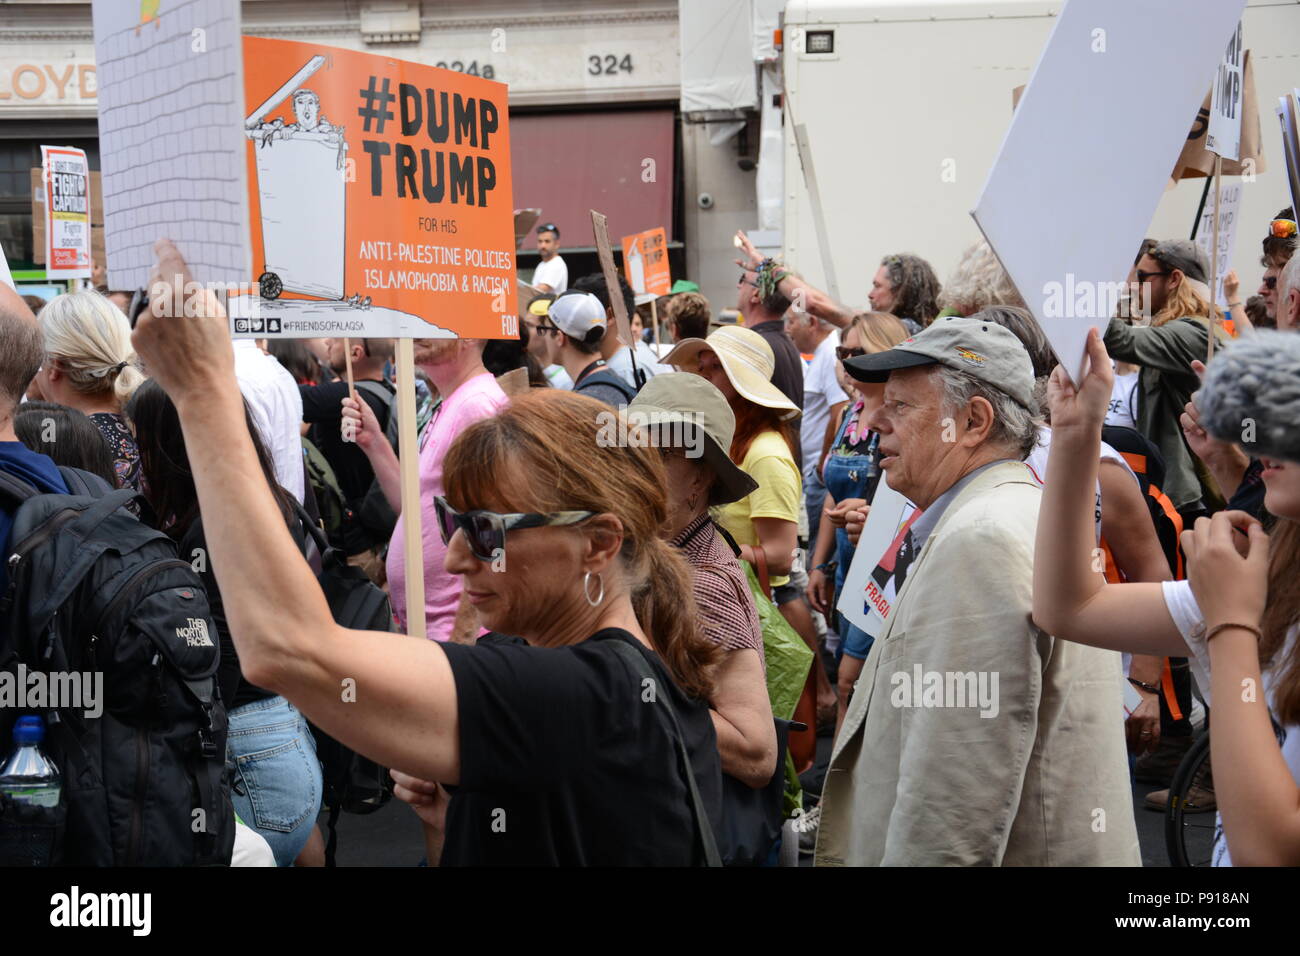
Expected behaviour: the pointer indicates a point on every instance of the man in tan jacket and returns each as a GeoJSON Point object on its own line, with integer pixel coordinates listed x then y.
{"type": "Point", "coordinates": [973, 738]}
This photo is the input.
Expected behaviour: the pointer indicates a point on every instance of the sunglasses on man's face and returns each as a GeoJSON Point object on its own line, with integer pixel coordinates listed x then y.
{"type": "Point", "coordinates": [1270, 282]}
{"type": "Point", "coordinates": [844, 354]}
{"type": "Point", "coordinates": [485, 531]}
{"type": "Point", "coordinates": [1143, 276]}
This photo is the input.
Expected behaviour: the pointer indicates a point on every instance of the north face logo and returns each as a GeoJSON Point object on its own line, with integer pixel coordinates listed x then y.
{"type": "Point", "coordinates": [196, 634]}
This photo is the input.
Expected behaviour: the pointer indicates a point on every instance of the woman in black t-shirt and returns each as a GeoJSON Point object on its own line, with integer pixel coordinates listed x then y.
{"type": "Point", "coordinates": [567, 753]}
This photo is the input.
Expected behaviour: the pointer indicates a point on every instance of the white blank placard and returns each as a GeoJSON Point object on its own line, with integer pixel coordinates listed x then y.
{"type": "Point", "coordinates": [1090, 149]}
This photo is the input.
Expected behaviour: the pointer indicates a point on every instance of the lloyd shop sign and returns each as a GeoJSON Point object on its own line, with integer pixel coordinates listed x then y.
{"type": "Point", "coordinates": [35, 82]}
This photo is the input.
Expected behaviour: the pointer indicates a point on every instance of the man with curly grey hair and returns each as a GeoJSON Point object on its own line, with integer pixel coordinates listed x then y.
{"type": "Point", "coordinates": [906, 286]}
{"type": "Point", "coordinates": [955, 745]}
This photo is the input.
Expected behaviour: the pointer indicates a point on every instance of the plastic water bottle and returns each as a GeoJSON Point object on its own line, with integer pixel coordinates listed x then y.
{"type": "Point", "coordinates": [29, 776]}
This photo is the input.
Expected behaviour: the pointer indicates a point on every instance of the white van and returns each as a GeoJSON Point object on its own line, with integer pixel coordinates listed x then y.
{"type": "Point", "coordinates": [906, 103]}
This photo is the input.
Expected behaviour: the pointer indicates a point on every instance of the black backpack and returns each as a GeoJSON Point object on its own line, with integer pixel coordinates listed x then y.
{"type": "Point", "coordinates": [94, 590]}
{"type": "Point", "coordinates": [603, 376]}
{"type": "Point", "coordinates": [351, 783]}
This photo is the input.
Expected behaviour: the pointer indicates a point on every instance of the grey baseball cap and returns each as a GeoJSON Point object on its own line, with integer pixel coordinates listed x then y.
{"type": "Point", "coordinates": [983, 350]}
{"type": "Point", "coordinates": [694, 402]}
{"type": "Point", "coordinates": [1184, 255]}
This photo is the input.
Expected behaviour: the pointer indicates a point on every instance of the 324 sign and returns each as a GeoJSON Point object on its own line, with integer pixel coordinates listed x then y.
{"type": "Point", "coordinates": [608, 64]}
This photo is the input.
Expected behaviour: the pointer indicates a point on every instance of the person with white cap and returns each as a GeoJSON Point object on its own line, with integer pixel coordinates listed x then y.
{"type": "Point", "coordinates": [1173, 274]}
{"type": "Point", "coordinates": [580, 317]}
{"type": "Point", "coordinates": [974, 738]}
{"type": "Point", "coordinates": [765, 524]}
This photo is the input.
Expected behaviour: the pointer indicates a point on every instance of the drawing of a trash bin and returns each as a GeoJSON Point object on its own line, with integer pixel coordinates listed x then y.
{"type": "Point", "coordinates": [301, 187]}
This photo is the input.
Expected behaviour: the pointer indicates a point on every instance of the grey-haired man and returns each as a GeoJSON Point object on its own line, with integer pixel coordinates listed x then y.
{"type": "Point", "coordinates": [973, 738]}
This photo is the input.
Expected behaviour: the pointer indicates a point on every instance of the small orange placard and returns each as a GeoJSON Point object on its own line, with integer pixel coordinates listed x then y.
{"type": "Point", "coordinates": [645, 262]}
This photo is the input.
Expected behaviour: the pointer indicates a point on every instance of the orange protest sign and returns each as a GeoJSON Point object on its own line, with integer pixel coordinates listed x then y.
{"type": "Point", "coordinates": [379, 197]}
{"type": "Point", "coordinates": [645, 262]}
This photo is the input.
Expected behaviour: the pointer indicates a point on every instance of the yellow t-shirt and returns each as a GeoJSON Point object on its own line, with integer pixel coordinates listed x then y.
{"type": "Point", "coordinates": [779, 493]}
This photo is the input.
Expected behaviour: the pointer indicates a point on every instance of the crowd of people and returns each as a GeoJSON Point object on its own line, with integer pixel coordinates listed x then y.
{"type": "Point", "coordinates": [607, 677]}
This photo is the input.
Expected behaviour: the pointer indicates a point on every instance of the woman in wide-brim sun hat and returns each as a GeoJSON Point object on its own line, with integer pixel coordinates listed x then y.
{"type": "Point", "coordinates": [745, 360]}
{"type": "Point", "coordinates": [739, 362]}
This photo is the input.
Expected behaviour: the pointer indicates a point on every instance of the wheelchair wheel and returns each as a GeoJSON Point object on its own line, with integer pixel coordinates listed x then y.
{"type": "Point", "coordinates": [1189, 837]}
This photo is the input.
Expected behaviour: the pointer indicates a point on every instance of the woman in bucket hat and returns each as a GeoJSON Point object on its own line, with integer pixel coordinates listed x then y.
{"type": "Point", "coordinates": [692, 425]}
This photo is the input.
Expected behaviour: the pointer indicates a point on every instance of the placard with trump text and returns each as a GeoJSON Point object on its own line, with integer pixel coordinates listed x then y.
{"type": "Point", "coordinates": [645, 262]}
{"type": "Point", "coordinates": [380, 198]}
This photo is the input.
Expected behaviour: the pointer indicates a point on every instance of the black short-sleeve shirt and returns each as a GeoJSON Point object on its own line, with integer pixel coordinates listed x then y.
{"type": "Point", "coordinates": [566, 759]}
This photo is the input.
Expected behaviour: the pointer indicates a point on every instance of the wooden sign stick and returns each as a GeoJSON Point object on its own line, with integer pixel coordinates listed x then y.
{"type": "Point", "coordinates": [409, 464]}
{"type": "Point", "coordinates": [347, 358]}
{"type": "Point", "coordinates": [1214, 258]}
{"type": "Point", "coordinates": [654, 318]}
{"type": "Point", "coordinates": [600, 226]}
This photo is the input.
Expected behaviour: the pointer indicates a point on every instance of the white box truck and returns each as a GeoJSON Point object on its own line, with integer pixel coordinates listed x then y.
{"type": "Point", "coordinates": [906, 103]}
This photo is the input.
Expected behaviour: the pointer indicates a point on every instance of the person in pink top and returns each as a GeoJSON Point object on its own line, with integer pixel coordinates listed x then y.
{"type": "Point", "coordinates": [469, 393]}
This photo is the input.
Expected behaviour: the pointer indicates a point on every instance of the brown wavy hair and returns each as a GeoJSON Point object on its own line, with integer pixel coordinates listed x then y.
{"type": "Point", "coordinates": [542, 453]}
{"type": "Point", "coordinates": [1280, 615]}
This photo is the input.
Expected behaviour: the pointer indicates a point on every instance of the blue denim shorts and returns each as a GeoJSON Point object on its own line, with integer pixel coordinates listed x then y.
{"type": "Point", "coordinates": [276, 776]}
{"type": "Point", "coordinates": [856, 642]}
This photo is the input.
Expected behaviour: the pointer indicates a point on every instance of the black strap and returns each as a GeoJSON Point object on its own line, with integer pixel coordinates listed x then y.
{"type": "Point", "coordinates": [377, 389]}
{"type": "Point", "coordinates": [726, 536]}
{"type": "Point", "coordinates": [703, 829]}
{"type": "Point", "coordinates": [610, 380]}
{"type": "Point", "coordinates": [16, 488]}
{"type": "Point", "coordinates": [84, 482]}
{"type": "Point", "coordinates": [590, 369]}
{"type": "Point", "coordinates": [708, 520]}
{"type": "Point", "coordinates": [105, 507]}
{"type": "Point", "coordinates": [313, 529]}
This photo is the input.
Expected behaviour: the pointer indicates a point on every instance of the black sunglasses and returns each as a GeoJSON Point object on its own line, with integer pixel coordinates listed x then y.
{"type": "Point", "coordinates": [1270, 282]}
{"type": "Point", "coordinates": [486, 530]}
{"type": "Point", "coordinates": [1144, 276]}
{"type": "Point", "coordinates": [844, 354]}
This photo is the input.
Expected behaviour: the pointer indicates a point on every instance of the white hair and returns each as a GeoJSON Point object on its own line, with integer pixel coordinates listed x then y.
{"type": "Point", "coordinates": [91, 338]}
{"type": "Point", "coordinates": [1288, 279]}
{"type": "Point", "coordinates": [978, 282]}
{"type": "Point", "coordinates": [1014, 426]}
